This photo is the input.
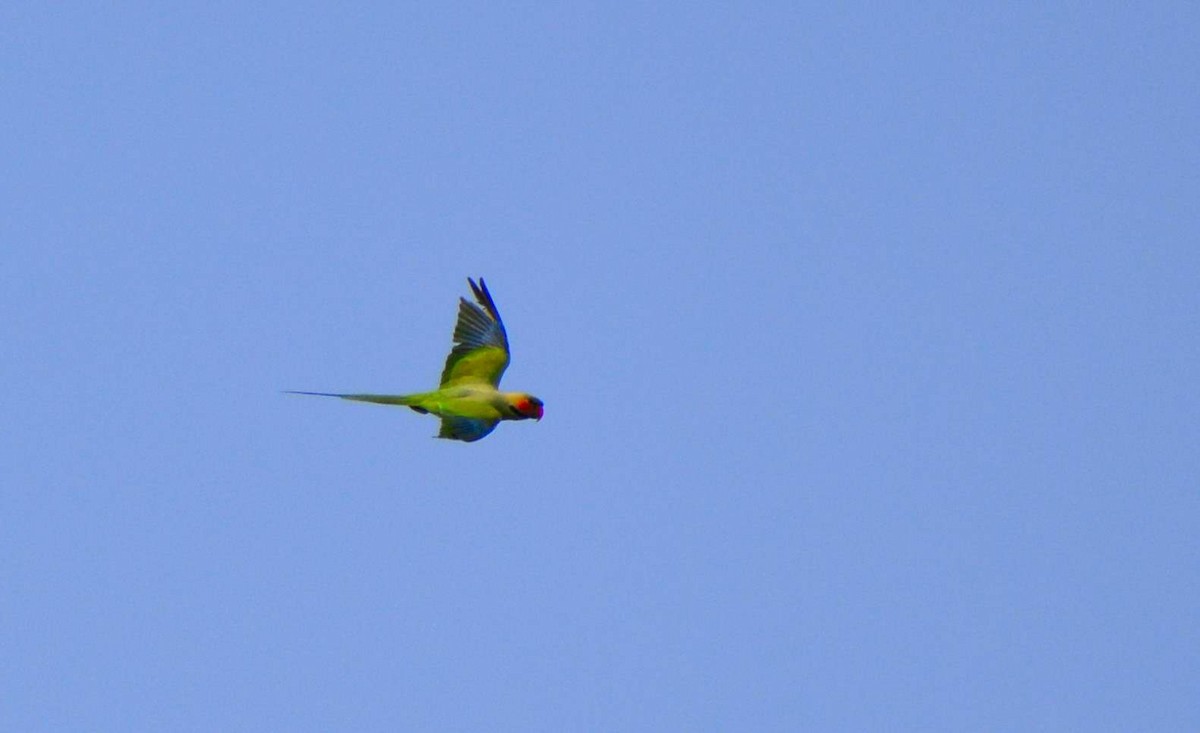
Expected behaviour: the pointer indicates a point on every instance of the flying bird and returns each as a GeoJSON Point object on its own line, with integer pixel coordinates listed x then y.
{"type": "Point", "coordinates": [468, 399]}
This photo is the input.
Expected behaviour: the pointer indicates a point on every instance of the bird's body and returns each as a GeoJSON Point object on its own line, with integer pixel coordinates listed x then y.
{"type": "Point", "coordinates": [468, 400]}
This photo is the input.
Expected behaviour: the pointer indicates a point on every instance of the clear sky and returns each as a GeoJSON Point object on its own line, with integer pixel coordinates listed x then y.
{"type": "Point", "coordinates": [868, 339]}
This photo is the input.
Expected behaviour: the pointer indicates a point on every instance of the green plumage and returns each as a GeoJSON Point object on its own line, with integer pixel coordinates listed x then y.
{"type": "Point", "coordinates": [467, 399]}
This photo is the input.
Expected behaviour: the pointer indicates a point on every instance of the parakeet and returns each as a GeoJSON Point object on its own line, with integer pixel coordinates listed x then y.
{"type": "Point", "coordinates": [468, 399]}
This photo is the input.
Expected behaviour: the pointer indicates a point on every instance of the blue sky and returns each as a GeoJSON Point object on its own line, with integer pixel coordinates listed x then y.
{"type": "Point", "coordinates": [867, 338]}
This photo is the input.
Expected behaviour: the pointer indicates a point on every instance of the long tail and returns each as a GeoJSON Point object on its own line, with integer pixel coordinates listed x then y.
{"type": "Point", "coordinates": [379, 399]}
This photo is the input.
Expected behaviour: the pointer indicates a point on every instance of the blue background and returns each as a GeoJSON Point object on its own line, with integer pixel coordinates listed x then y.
{"type": "Point", "coordinates": [868, 339]}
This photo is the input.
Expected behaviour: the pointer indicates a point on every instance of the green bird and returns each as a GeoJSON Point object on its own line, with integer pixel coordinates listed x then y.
{"type": "Point", "coordinates": [468, 399]}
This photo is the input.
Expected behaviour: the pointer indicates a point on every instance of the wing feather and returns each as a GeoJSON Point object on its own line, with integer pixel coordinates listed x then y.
{"type": "Point", "coordinates": [480, 354]}
{"type": "Point", "coordinates": [465, 429]}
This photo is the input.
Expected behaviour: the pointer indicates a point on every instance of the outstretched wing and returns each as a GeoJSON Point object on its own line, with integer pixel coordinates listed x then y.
{"type": "Point", "coordinates": [465, 428]}
{"type": "Point", "coordinates": [480, 353]}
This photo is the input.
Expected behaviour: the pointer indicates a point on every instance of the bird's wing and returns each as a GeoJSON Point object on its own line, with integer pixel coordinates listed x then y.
{"type": "Point", "coordinates": [465, 428]}
{"type": "Point", "coordinates": [480, 353]}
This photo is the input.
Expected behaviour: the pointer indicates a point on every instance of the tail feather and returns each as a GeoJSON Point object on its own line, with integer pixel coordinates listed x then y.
{"type": "Point", "coordinates": [379, 399]}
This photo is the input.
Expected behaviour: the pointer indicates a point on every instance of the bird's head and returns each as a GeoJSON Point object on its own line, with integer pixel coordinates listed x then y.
{"type": "Point", "coordinates": [528, 406]}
